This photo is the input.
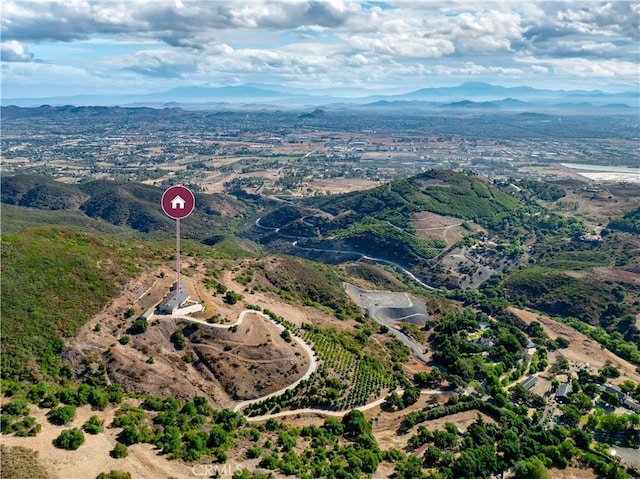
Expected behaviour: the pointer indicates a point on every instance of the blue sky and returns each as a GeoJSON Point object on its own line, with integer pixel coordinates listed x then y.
{"type": "Point", "coordinates": [75, 47]}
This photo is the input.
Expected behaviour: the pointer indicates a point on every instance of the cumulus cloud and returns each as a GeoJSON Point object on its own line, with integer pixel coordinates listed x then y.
{"type": "Point", "coordinates": [77, 19]}
{"type": "Point", "coordinates": [604, 18]}
{"type": "Point", "coordinates": [403, 45]}
{"type": "Point", "coordinates": [330, 41]}
{"type": "Point", "coordinates": [14, 51]}
{"type": "Point", "coordinates": [586, 29]}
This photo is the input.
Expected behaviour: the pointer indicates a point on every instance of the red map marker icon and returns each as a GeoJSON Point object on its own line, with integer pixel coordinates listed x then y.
{"type": "Point", "coordinates": [178, 202]}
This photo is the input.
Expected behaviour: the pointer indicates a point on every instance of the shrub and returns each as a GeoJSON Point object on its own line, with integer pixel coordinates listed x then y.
{"type": "Point", "coordinates": [114, 475]}
{"type": "Point", "coordinates": [286, 335]}
{"type": "Point", "coordinates": [139, 326]}
{"type": "Point", "coordinates": [61, 415]}
{"type": "Point", "coordinates": [93, 425]}
{"type": "Point", "coordinates": [254, 452]}
{"type": "Point", "coordinates": [70, 439]}
{"type": "Point", "coordinates": [17, 407]}
{"type": "Point", "coordinates": [119, 451]}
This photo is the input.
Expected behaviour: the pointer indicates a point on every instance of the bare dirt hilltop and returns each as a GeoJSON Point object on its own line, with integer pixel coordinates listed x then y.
{"type": "Point", "coordinates": [224, 362]}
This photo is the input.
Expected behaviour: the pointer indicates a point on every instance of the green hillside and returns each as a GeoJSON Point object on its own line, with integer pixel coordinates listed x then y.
{"type": "Point", "coordinates": [133, 205]}
{"type": "Point", "coordinates": [439, 191]}
{"type": "Point", "coordinates": [557, 293]}
{"type": "Point", "coordinates": [53, 280]}
{"type": "Point", "coordinates": [630, 222]}
{"type": "Point", "coordinates": [378, 222]}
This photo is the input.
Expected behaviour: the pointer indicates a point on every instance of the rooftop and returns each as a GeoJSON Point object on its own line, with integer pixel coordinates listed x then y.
{"type": "Point", "coordinates": [176, 297]}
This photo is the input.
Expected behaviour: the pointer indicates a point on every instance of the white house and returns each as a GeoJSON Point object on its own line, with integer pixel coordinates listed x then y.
{"type": "Point", "coordinates": [177, 302]}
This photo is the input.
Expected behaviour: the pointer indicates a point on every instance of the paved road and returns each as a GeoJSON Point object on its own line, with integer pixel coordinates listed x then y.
{"type": "Point", "coordinates": [386, 300]}
{"type": "Point", "coordinates": [628, 455]}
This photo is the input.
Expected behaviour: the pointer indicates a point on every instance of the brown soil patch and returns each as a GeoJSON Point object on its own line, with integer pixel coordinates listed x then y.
{"type": "Point", "coordinates": [601, 202]}
{"type": "Point", "coordinates": [92, 458]}
{"type": "Point", "coordinates": [432, 225]}
{"type": "Point", "coordinates": [253, 361]}
{"type": "Point", "coordinates": [572, 472]}
{"type": "Point", "coordinates": [257, 360]}
{"type": "Point", "coordinates": [388, 437]}
{"type": "Point", "coordinates": [342, 185]}
{"type": "Point", "coordinates": [581, 349]}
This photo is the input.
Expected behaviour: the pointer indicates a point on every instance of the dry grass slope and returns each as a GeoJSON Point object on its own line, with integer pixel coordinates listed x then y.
{"type": "Point", "coordinates": [21, 463]}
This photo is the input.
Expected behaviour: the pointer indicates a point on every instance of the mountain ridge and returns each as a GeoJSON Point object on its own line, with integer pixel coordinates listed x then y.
{"type": "Point", "coordinates": [265, 95]}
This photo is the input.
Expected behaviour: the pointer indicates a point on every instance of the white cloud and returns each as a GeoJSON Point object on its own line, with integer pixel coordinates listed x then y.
{"type": "Point", "coordinates": [402, 45]}
{"type": "Point", "coordinates": [588, 68]}
{"type": "Point", "coordinates": [14, 51]}
{"type": "Point", "coordinates": [326, 42]}
{"type": "Point", "coordinates": [539, 69]}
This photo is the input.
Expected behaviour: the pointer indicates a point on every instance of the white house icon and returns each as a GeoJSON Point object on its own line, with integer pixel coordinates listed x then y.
{"type": "Point", "coordinates": [177, 203]}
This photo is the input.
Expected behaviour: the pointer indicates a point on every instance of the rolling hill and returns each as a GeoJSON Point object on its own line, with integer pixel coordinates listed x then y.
{"type": "Point", "coordinates": [378, 222]}
{"type": "Point", "coordinates": [134, 205]}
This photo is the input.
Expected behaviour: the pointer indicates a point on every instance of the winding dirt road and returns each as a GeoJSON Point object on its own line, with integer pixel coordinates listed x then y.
{"type": "Point", "coordinates": [313, 362]}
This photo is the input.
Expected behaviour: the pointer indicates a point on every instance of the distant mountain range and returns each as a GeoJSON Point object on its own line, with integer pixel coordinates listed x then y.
{"type": "Point", "coordinates": [472, 95]}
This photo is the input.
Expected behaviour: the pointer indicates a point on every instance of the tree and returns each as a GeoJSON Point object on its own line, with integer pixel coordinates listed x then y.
{"type": "Point", "coordinates": [286, 335]}
{"type": "Point", "coordinates": [410, 396]}
{"type": "Point", "coordinates": [394, 401]}
{"type": "Point", "coordinates": [409, 468]}
{"type": "Point", "coordinates": [70, 439]}
{"type": "Point", "coordinates": [369, 460]}
{"type": "Point", "coordinates": [582, 438]}
{"type": "Point", "coordinates": [610, 371]}
{"type": "Point", "coordinates": [333, 427]}
{"type": "Point", "coordinates": [139, 326]}
{"type": "Point", "coordinates": [170, 441]}
{"type": "Point", "coordinates": [178, 339]}
{"type": "Point", "coordinates": [355, 423]}
{"type": "Point", "coordinates": [610, 399]}
{"type": "Point", "coordinates": [560, 365]}
{"type": "Point", "coordinates": [218, 437]}
{"type": "Point", "coordinates": [582, 402]}
{"type": "Point", "coordinates": [431, 456]}
{"type": "Point", "coordinates": [232, 297]}
{"type": "Point", "coordinates": [570, 415]}
{"type": "Point", "coordinates": [530, 469]}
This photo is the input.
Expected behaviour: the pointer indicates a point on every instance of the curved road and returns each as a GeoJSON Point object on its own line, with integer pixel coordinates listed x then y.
{"type": "Point", "coordinates": [313, 363]}
{"type": "Point", "coordinates": [313, 366]}
{"type": "Point", "coordinates": [362, 255]}
{"type": "Point", "coordinates": [328, 413]}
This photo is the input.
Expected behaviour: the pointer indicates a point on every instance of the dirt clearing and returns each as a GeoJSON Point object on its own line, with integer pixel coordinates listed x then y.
{"type": "Point", "coordinates": [581, 348]}
{"type": "Point", "coordinates": [92, 457]}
